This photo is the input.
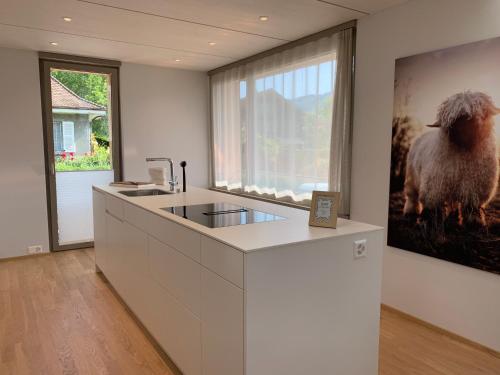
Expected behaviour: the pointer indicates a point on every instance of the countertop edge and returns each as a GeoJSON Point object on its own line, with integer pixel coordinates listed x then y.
{"type": "Point", "coordinates": [192, 226]}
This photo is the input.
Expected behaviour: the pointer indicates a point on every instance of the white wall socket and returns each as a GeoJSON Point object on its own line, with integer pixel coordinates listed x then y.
{"type": "Point", "coordinates": [35, 249]}
{"type": "Point", "coordinates": [359, 249]}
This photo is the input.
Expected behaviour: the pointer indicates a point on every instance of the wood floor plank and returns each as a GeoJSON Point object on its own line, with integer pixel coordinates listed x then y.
{"type": "Point", "coordinates": [57, 316]}
{"type": "Point", "coordinates": [410, 348]}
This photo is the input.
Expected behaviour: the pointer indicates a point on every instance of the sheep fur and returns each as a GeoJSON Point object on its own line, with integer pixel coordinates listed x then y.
{"type": "Point", "coordinates": [456, 165]}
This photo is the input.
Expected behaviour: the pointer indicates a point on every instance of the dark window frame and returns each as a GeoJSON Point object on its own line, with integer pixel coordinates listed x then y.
{"type": "Point", "coordinates": [48, 61]}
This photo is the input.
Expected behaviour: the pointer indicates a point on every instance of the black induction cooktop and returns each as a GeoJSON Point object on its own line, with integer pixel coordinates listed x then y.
{"type": "Point", "coordinates": [217, 215]}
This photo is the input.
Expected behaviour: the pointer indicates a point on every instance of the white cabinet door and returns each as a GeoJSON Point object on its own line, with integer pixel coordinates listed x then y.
{"type": "Point", "coordinates": [222, 325]}
{"type": "Point", "coordinates": [114, 250]}
{"type": "Point", "coordinates": [176, 329]}
{"type": "Point", "coordinates": [177, 273]}
{"type": "Point", "coordinates": [100, 229]}
{"type": "Point", "coordinates": [133, 267]}
{"type": "Point", "coordinates": [186, 240]}
{"type": "Point", "coordinates": [224, 260]}
{"type": "Point", "coordinates": [114, 206]}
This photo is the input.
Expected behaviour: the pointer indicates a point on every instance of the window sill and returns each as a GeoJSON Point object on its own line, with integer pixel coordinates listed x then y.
{"type": "Point", "coordinates": [274, 201]}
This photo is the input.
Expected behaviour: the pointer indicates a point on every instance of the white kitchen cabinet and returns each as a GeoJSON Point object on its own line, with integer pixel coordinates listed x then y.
{"type": "Point", "coordinates": [114, 227]}
{"type": "Point", "coordinates": [100, 229]}
{"type": "Point", "coordinates": [263, 299]}
{"type": "Point", "coordinates": [180, 238]}
{"type": "Point", "coordinates": [115, 240]}
{"type": "Point", "coordinates": [176, 329]}
{"type": "Point", "coordinates": [222, 259]}
{"type": "Point", "coordinates": [134, 265]}
{"type": "Point", "coordinates": [114, 206]}
{"type": "Point", "coordinates": [177, 273]}
{"type": "Point", "coordinates": [127, 266]}
{"type": "Point", "coordinates": [222, 325]}
{"type": "Point", "coordinates": [184, 305]}
{"type": "Point", "coordinates": [137, 216]}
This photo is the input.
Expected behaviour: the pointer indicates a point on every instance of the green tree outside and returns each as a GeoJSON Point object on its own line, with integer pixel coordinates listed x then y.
{"type": "Point", "coordinates": [90, 86]}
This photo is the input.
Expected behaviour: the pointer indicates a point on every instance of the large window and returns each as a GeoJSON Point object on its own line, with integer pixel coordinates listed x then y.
{"type": "Point", "coordinates": [272, 123]}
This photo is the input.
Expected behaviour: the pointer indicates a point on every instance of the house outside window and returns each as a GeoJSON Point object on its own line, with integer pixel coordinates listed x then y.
{"type": "Point", "coordinates": [72, 119]}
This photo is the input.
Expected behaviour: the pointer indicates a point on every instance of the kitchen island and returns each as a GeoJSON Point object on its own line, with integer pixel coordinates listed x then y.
{"type": "Point", "coordinates": [267, 298]}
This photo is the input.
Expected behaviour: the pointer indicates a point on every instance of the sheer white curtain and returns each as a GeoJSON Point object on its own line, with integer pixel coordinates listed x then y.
{"type": "Point", "coordinates": [341, 137]}
{"type": "Point", "coordinates": [272, 122]}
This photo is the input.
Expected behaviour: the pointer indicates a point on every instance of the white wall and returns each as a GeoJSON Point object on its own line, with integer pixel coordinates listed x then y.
{"type": "Point", "coordinates": [23, 208]}
{"type": "Point", "coordinates": [164, 113]}
{"type": "Point", "coordinates": [460, 299]}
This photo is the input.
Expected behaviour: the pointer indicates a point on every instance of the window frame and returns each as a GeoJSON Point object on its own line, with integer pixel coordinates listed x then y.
{"type": "Point", "coordinates": [48, 61]}
{"type": "Point", "coordinates": [352, 25]}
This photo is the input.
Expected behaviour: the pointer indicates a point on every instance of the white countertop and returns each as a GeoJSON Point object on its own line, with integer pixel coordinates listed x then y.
{"type": "Point", "coordinates": [249, 237]}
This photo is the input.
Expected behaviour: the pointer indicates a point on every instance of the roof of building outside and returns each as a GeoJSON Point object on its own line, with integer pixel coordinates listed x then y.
{"type": "Point", "coordinates": [63, 97]}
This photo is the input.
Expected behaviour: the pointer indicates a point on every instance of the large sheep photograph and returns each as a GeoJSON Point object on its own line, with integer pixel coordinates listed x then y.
{"type": "Point", "coordinates": [444, 184]}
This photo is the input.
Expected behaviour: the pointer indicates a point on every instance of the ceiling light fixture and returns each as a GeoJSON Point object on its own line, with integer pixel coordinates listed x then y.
{"type": "Point", "coordinates": [54, 43]}
{"type": "Point", "coordinates": [177, 60]}
{"type": "Point", "coordinates": [212, 43]}
{"type": "Point", "coordinates": [67, 19]}
{"type": "Point", "coordinates": [263, 18]}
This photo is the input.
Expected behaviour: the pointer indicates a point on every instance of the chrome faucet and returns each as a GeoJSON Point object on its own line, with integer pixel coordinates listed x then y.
{"type": "Point", "coordinates": [173, 179]}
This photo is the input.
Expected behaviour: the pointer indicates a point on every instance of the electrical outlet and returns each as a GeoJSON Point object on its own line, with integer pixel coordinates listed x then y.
{"type": "Point", "coordinates": [360, 249]}
{"type": "Point", "coordinates": [35, 249]}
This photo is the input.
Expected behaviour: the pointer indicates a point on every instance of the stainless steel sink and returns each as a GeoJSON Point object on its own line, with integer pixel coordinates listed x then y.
{"type": "Point", "coordinates": [144, 192]}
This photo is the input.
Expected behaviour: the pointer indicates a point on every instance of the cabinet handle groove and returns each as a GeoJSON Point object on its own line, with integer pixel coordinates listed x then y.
{"type": "Point", "coordinates": [112, 215]}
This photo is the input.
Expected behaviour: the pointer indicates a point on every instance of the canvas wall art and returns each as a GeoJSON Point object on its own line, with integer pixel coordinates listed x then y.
{"type": "Point", "coordinates": [444, 196]}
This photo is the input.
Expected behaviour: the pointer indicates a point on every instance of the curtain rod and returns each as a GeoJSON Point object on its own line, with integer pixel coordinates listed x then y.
{"type": "Point", "coordinates": [283, 47]}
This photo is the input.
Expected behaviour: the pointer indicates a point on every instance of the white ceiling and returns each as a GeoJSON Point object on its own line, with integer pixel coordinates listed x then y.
{"type": "Point", "coordinates": [157, 32]}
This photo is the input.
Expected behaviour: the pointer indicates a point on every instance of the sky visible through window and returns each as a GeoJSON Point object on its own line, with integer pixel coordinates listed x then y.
{"type": "Point", "coordinates": [310, 80]}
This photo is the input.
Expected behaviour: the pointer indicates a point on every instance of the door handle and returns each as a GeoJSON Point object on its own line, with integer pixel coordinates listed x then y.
{"type": "Point", "coordinates": [52, 169]}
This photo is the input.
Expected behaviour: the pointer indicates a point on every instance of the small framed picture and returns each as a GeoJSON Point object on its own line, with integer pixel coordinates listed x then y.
{"type": "Point", "coordinates": [324, 208]}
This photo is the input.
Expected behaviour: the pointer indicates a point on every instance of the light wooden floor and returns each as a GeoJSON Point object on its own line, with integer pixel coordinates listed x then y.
{"type": "Point", "coordinates": [58, 317]}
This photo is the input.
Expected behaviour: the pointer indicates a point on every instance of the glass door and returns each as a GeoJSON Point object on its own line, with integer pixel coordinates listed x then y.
{"type": "Point", "coordinates": [82, 145]}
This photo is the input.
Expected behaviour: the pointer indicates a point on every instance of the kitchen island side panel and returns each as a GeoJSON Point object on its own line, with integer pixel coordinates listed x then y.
{"type": "Point", "coordinates": [313, 309]}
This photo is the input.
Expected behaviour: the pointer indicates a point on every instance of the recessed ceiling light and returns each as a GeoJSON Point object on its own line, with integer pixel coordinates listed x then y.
{"type": "Point", "coordinates": [177, 60]}
{"type": "Point", "coordinates": [54, 43]}
{"type": "Point", "coordinates": [67, 19]}
{"type": "Point", "coordinates": [212, 43]}
{"type": "Point", "coordinates": [263, 18]}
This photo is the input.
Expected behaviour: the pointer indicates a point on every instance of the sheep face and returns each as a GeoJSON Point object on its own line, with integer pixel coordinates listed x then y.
{"type": "Point", "coordinates": [467, 118]}
{"type": "Point", "coordinates": [468, 134]}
